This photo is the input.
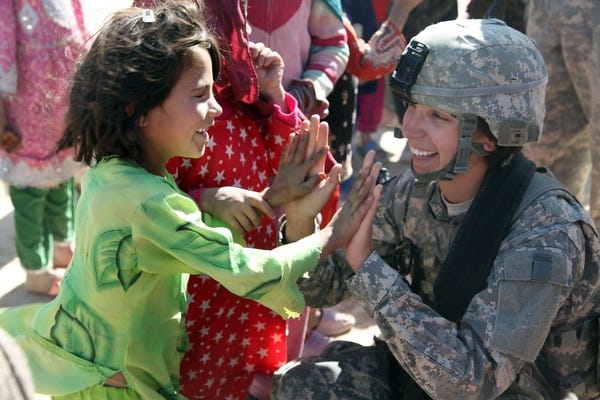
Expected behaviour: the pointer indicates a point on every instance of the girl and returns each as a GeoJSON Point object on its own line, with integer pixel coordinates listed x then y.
{"type": "Point", "coordinates": [142, 95]}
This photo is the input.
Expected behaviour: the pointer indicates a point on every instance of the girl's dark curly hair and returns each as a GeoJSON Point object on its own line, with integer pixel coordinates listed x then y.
{"type": "Point", "coordinates": [130, 69]}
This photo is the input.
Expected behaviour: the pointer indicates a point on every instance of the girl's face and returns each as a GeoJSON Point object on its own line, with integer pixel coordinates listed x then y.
{"type": "Point", "coordinates": [432, 135]}
{"type": "Point", "coordinates": [178, 127]}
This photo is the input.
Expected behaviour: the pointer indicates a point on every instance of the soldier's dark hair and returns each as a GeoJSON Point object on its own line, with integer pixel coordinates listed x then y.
{"type": "Point", "coordinates": [502, 153]}
{"type": "Point", "coordinates": [134, 62]}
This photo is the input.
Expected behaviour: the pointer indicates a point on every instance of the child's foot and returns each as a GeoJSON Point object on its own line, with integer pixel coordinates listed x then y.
{"type": "Point", "coordinates": [44, 282]}
{"type": "Point", "coordinates": [63, 252]}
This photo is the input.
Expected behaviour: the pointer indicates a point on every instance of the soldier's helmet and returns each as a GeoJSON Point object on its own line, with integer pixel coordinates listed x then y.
{"type": "Point", "coordinates": [477, 67]}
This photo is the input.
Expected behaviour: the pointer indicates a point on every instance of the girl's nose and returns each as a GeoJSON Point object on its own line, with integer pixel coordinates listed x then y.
{"type": "Point", "coordinates": [215, 108]}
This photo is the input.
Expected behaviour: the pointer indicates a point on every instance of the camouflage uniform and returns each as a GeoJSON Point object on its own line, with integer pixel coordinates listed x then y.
{"type": "Point", "coordinates": [567, 33]}
{"type": "Point", "coordinates": [495, 344]}
{"type": "Point", "coordinates": [532, 331]}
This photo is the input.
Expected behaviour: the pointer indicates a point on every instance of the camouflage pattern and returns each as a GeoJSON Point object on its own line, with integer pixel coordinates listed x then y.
{"type": "Point", "coordinates": [567, 33]}
{"type": "Point", "coordinates": [474, 71]}
{"type": "Point", "coordinates": [531, 324]}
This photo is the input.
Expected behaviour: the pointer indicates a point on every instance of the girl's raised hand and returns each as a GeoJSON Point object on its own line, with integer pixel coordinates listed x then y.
{"type": "Point", "coordinates": [301, 167]}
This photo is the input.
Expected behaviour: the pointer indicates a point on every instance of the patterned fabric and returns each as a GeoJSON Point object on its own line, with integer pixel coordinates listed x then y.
{"type": "Point", "coordinates": [122, 302]}
{"type": "Point", "coordinates": [474, 73]}
{"type": "Point", "coordinates": [319, 52]}
{"type": "Point", "coordinates": [231, 338]}
{"type": "Point", "coordinates": [40, 42]}
{"type": "Point", "coordinates": [568, 36]}
{"type": "Point", "coordinates": [534, 323]}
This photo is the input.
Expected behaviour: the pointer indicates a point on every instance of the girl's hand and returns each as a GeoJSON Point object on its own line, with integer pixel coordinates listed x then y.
{"type": "Point", "coordinates": [301, 165]}
{"type": "Point", "coordinates": [240, 208]}
{"type": "Point", "coordinates": [269, 65]}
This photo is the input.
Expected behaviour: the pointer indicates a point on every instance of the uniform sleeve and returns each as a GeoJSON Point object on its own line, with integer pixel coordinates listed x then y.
{"type": "Point", "coordinates": [328, 51]}
{"type": "Point", "coordinates": [171, 236]}
{"type": "Point", "coordinates": [8, 48]}
{"type": "Point", "coordinates": [480, 357]}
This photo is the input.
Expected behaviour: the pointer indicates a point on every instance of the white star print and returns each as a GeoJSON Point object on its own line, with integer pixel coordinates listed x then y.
{"type": "Point", "coordinates": [205, 358]}
{"type": "Point", "coordinates": [229, 151]}
{"type": "Point", "coordinates": [278, 140]}
{"type": "Point", "coordinates": [186, 163]}
{"type": "Point", "coordinates": [263, 353]}
{"type": "Point", "coordinates": [233, 362]}
{"type": "Point", "coordinates": [262, 176]}
{"type": "Point", "coordinates": [232, 338]}
{"type": "Point", "coordinates": [243, 159]}
{"type": "Point", "coordinates": [259, 326]}
{"type": "Point", "coordinates": [243, 317]}
{"type": "Point", "coordinates": [218, 337]}
{"type": "Point", "coordinates": [245, 342]}
{"type": "Point", "coordinates": [253, 142]}
{"type": "Point", "coordinates": [243, 134]}
{"type": "Point", "coordinates": [203, 171]}
{"type": "Point", "coordinates": [230, 126]}
{"type": "Point", "coordinates": [249, 368]}
{"type": "Point", "coordinates": [276, 337]}
{"type": "Point", "coordinates": [211, 143]}
{"type": "Point", "coordinates": [205, 305]}
{"type": "Point", "coordinates": [231, 312]}
{"type": "Point", "coordinates": [220, 177]}
{"type": "Point", "coordinates": [191, 375]}
{"type": "Point", "coordinates": [204, 331]}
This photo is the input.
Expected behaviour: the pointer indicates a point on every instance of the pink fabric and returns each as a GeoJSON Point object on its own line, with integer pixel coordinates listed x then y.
{"type": "Point", "coordinates": [371, 108]}
{"type": "Point", "coordinates": [40, 42]}
{"type": "Point", "coordinates": [292, 30]}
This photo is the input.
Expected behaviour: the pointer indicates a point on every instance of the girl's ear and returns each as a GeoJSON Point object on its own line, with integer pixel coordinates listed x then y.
{"type": "Point", "coordinates": [143, 122]}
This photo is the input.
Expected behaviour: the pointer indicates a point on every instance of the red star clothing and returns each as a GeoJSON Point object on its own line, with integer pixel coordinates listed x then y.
{"type": "Point", "coordinates": [231, 338]}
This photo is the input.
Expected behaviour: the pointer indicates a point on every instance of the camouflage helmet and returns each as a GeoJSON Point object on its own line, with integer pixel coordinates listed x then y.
{"type": "Point", "coordinates": [477, 67]}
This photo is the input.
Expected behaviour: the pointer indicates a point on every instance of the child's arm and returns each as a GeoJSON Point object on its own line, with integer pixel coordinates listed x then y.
{"type": "Point", "coordinates": [300, 170]}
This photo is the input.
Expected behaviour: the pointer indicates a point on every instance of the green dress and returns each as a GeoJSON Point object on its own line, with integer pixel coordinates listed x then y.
{"type": "Point", "coordinates": [122, 302]}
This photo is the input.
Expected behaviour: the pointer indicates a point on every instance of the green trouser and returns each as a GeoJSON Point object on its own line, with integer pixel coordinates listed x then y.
{"type": "Point", "coordinates": [42, 216]}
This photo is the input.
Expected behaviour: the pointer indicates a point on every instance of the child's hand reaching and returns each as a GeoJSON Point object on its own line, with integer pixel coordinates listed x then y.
{"type": "Point", "coordinates": [302, 164]}
{"type": "Point", "coordinates": [268, 65]}
{"type": "Point", "coordinates": [240, 208]}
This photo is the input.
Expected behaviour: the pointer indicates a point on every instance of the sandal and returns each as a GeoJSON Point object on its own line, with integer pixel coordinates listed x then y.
{"type": "Point", "coordinates": [44, 282]}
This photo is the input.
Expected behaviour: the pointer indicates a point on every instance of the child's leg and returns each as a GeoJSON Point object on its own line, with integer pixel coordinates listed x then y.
{"type": "Point", "coordinates": [32, 237]}
{"type": "Point", "coordinates": [33, 240]}
{"type": "Point", "coordinates": [59, 215]}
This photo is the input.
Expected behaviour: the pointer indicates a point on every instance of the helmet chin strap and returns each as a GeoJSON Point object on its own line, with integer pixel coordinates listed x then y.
{"type": "Point", "coordinates": [466, 147]}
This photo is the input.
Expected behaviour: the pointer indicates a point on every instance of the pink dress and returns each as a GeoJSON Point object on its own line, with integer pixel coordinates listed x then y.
{"type": "Point", "coordinates": [40, 43]}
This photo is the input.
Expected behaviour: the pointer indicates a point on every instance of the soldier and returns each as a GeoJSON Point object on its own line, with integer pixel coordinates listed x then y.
{"type": "Point", "coordinates": [481, 272]}
{"type": "Point", "coordinates": [568, 36]}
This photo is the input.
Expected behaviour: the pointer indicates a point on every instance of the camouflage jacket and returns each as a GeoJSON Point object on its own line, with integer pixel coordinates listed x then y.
{"type": "Point", "coordinates": [533, 316]}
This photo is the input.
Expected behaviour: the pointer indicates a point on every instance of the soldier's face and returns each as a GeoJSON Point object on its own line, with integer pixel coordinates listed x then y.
{"type": "Point", "coordinates": [432, 135]}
